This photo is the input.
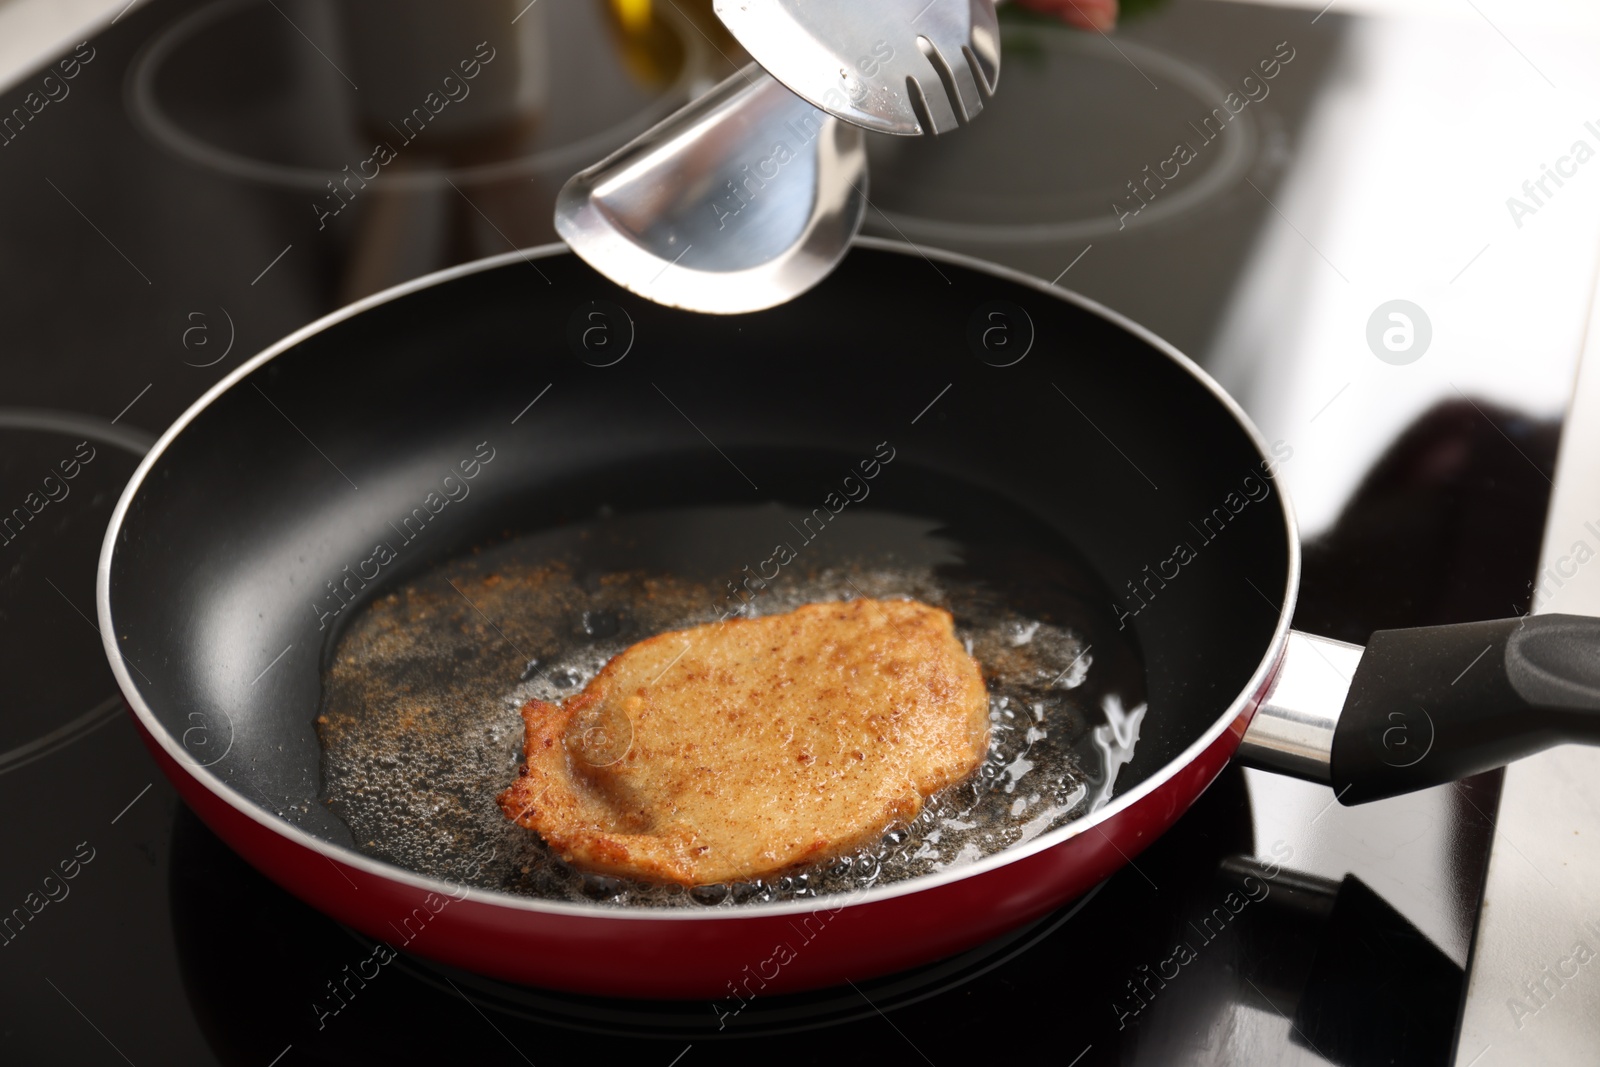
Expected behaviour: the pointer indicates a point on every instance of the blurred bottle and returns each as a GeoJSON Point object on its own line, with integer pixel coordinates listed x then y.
{"type": "Point", "coordinates": [414, 60]}
{"type": "Point", "coordinates": [651, 49]}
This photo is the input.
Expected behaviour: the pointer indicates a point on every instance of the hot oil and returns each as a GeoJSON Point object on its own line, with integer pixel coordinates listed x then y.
{"type": "Point", "coordinates": [421, 728]}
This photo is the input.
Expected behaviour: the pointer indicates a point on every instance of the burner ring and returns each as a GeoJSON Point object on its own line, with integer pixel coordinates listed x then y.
{"type": "Point", "coordinates": [68, 425]}
{"type": "Point", "coordinates": [1228, 159]}
{"type": "Point", "coordinates": [66, 734]}
{"type": "Point", "coordinates": [149, 114]}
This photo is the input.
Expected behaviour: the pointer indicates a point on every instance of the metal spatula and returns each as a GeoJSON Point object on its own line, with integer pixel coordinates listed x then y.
{"type": "Point", "coordinates": [892, 66]}
{"type": "Point", "coordinates": [739, 201]}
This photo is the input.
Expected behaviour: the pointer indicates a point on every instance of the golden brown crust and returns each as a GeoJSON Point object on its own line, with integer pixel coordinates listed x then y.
{"type": "Point", "coordinates": [744, 748]}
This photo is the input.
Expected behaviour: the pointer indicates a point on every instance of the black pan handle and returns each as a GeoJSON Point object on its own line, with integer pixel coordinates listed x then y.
{"type": "Point", "coordinates": [1437, 703]}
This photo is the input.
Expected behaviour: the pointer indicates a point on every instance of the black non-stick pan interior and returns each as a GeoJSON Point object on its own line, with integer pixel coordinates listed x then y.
{"type": "Point", "coordinates": [1096, 440]}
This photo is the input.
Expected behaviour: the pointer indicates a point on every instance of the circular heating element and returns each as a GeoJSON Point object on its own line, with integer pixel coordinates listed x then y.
{"type": "Point", "coordinates": [274, 93]}
{"type": "Point", "coordinates": [60, 476]}
{"type": "Point", "coordinates": [1063, 148]}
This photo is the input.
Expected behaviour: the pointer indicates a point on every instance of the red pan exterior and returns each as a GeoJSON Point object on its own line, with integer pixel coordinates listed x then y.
{"type": "Point", "coordinates": [725, 959]}
{"type": "Point", "coordinates": [722, 954]}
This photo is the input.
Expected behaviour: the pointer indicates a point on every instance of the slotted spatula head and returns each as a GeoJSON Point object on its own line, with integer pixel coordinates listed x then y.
{"type": "Point", "coordinates": [739, 201]}
{"type": "Point", "coordinates": [892, 66]}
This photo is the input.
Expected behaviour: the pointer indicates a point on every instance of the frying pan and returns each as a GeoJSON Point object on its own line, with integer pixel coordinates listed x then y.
{"type": "Point", "coordinates": [215, 578]}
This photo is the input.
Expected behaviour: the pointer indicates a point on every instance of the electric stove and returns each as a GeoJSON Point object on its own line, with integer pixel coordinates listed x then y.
{"type": "Point", "coordinates": [1264, 187]}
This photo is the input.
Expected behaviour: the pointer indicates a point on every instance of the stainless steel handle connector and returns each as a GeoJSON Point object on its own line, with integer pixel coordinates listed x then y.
{"type": "Point", "coordinates": [1292, 731]}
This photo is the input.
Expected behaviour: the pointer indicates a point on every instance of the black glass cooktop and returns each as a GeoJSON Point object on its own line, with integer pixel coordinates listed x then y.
{"type": "Point", "coordinates": [202, 178]}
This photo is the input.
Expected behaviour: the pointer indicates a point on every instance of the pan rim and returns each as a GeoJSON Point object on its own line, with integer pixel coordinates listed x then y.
{"type": "Point", "coordinates": [422, 883]}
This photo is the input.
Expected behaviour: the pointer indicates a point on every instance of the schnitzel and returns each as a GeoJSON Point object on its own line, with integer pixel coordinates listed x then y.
{"type": "Point", "coordinates": [748, 747]}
